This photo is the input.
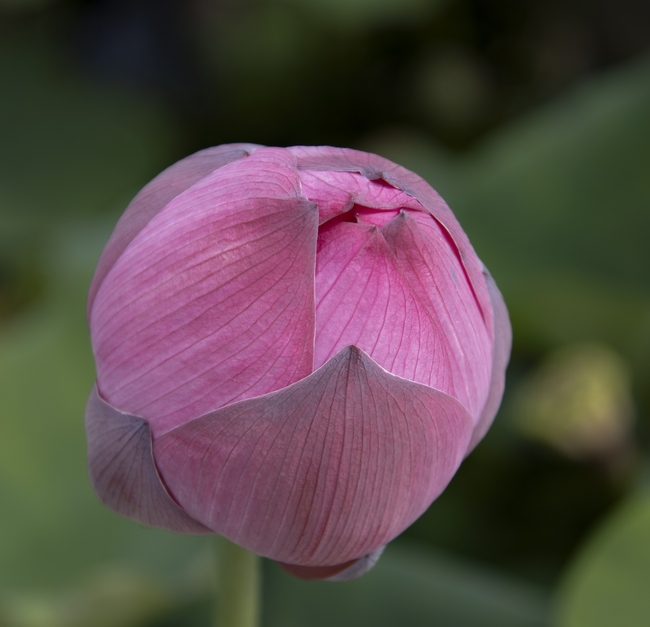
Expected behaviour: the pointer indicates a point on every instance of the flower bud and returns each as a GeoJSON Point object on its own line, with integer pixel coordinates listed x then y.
{"type": "Point", "coordinates": [295, 348]}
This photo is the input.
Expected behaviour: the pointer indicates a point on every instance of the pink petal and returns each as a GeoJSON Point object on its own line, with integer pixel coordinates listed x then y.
{"type": "Point", "coordinates": [123, 473]}
{"type": "Point", "coordinates": [213, 301]}
{"type": "Point", "coordinates": [153, 197]}
{"type": "Point", "coordinates": [315, 158]}
{"type": "Point", "coordinates": [322, 472]}
{"type": "Point", "coordinates": [400, 294]}
{"type": "Point", "coordinates": [337, 192]}
{"type": "Point", "coordinates": [501, 356]}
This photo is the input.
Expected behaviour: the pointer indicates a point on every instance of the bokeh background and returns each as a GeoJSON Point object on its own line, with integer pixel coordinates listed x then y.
{"type": "Point", "coordinates": [532, 118]}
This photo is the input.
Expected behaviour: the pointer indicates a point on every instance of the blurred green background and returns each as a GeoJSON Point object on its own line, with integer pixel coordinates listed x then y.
{"type": "Point", "coordinates": [531, 118]}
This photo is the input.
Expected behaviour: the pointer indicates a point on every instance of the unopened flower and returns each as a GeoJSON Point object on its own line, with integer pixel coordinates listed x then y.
{"type": "Point", "coordinates": [295, 349]}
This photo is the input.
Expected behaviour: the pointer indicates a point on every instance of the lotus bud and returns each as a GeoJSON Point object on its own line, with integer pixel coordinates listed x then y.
{"type": "Point", "coordinates": [295, 348]}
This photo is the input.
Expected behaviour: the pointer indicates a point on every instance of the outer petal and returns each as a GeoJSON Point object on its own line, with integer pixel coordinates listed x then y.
{"type": "Point", "coordinates": [399, 293]}
{"type": "Point", "coordinates": [122, 470]}
{"type": "Point", "coordinates": [213, 301]}
{"type": "Point", "coordinates": [153, 197]}
{"type": "Point", "coordinates": [325, 471]}
{"type": "Point", "coordinates": [501, 356]}
{"type": "Point", "coordinates": [375, 167]}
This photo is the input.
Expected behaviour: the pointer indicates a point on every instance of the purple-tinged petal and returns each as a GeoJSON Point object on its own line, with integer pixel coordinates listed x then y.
{"type": "Point", "coordinates": [122, 470]}
{"type": "Point", "coordinates": [400, 294]}
{"type": "Point", "coordinates": [322, 472]}
{"type": "Point", "coordinates": [340, 572]}
{"type": "Point", "coordinates": [337, 192]}
{"type": "Point", "coordinates": [153, 197]}
{"type": "Point", "coordinates": [501, 356]}
{"type": "Point", "coordinates": [213, 301]}
{"type": "Point", "coordinates": [375, 167]}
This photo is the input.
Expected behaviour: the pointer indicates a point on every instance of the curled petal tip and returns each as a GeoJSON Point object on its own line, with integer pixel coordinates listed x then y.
{"type": "Point", "coordinates": [359, 568]}
{"type": "Point", "coordinates": [347, 571]}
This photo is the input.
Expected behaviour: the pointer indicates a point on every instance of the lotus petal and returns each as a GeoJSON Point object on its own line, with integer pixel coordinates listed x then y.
{"type": "Point", "coordinates": [154, 196]}
{"type": "Point", "coordinates": [337, 192]}
{"type": "Point", "coordinates": [322, 472]}
{"type": "Point", "coordinates": [213, 301]}
{"type": "Point", "coordinates": [122, 470]}
{"type": "Point", "coordinates": [375, 167]}
{"type": "Point", "coordinates": [500, 358]}
{"type": "Point", "coordinates": [436, 275]}
{"type": "Point", "coordinates": [400, 294]}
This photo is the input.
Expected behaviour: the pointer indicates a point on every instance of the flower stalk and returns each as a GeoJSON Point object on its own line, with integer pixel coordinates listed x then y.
{"type": "Point", "coordinates": [238, 586]}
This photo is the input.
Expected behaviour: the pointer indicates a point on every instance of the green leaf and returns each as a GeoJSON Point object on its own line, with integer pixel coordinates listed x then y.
{"type": "Point", "coordinates": [53, 529]}
{"type": "Point", "coordinates": [112, 597]}
{"type": "Point", "coordinates": [608, 582]}
{"type": "Point", "coordinates": [410, 587]}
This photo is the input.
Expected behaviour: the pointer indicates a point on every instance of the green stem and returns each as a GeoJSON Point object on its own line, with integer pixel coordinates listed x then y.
{"type": "Point", "coordinates": [238, 586]}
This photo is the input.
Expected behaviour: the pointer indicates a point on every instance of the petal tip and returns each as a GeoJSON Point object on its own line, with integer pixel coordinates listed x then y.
{"type": "Point", "coordinates": [347, 571]}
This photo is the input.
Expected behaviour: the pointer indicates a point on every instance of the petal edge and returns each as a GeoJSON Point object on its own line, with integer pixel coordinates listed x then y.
{"type": "Point", "coordinates": [500, 357]}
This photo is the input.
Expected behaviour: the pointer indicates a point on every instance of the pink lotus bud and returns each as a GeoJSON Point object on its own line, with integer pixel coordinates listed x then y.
{"type": "Point", "coordinates": [295, 347]}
